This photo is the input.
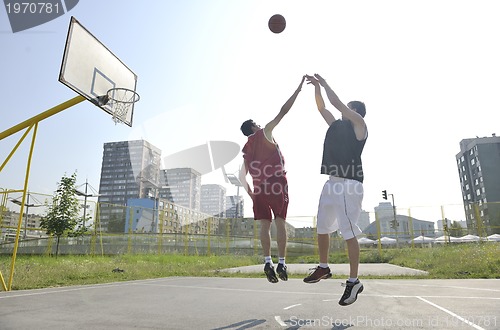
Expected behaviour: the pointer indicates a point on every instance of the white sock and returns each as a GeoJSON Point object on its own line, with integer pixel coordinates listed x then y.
{"type": "Point", "coordinates": [352, 279]}
{"type": "Point", "coordinates": [268, 259]}
{"type": "Point", "coordinates": [323, 265]}
{"type": "Point", "coordinates": [282, 261]}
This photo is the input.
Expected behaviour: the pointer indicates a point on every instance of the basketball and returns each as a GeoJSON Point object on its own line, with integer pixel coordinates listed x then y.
{"type": "Point", "coordinates": [277, 23]}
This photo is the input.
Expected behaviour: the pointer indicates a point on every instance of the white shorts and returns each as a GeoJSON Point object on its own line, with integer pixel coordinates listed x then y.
{"type": "Point", "coordinates": [340, 207]}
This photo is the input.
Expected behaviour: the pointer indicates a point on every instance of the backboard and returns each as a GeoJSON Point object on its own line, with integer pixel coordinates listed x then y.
{"type": "Point", "coordinates": [91, 69]}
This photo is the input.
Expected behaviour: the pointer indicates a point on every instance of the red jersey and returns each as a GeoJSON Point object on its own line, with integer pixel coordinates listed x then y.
{"type": "Point", "coordinates": [263, 158]}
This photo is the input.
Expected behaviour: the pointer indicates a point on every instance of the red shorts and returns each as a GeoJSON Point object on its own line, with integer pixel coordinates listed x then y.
{"type": "Point", "coordinates": [271, 195]}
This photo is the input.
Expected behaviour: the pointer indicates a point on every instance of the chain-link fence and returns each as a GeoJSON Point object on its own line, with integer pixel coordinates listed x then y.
{"type": "Point", "coordinates": [170, 228]}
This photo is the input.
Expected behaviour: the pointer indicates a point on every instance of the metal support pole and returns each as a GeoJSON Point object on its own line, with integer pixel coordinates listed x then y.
{"type": "Point", "coordinates": [395, 220]}
{"type": "Point", "coordinates": [41, 116]}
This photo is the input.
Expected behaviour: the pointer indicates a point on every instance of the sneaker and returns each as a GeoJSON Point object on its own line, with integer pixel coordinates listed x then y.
{"type": "Point", "coordinates": [270, 273]}
{"type": "Point", "coordinates": [351, 292]}
{"type": "Point", "coordinates": [317, 274]}
{"type": "Point", "coordinates": [281, 270]}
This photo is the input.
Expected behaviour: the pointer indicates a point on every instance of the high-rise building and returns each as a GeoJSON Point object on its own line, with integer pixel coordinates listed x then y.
{"type": "Point", "coordinates": [181, 186]}
{"type": "Point", "coordinates": [364, 220]}
{"type": "Point", "coordinates": [130, 169]}
{"type": "Point", "coordinates": [478, 165]}
{"type": "Point", "coordinates": [213, 200]}
{"type": "Point", "coordinates": [235, 206]}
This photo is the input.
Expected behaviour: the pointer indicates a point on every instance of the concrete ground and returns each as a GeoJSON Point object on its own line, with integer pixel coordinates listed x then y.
{"type": "Point", "coordinates": [254, 303]}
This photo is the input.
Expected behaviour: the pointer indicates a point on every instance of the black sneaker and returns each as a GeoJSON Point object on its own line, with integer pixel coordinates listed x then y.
{"type": "Point", "coordinates": [270, 273]}
{"type": "Point", "coordinates": [317, 274]}
{"type": "Point", "coordinates": [281, 270]}
{"type": "Point", "coordinates": [352, 289]}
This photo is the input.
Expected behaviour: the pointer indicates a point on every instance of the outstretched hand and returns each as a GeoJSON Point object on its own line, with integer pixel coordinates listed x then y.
{"type": "Point", "coordinates": [321, 80]}
{"type": "Point", "coordinates": [312, 80]}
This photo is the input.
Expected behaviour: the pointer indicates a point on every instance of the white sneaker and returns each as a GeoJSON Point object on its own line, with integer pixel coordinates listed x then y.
{"type": "Point", "coordinates": [351, 292]}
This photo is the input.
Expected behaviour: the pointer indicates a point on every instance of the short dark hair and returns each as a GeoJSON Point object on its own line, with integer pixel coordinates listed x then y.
{"type": "Point", "coordinates": [246, 127]}
{"type": "Point", "coordinates": [358, 106]}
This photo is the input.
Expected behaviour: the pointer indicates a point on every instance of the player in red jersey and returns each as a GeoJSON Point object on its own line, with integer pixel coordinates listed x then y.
{"type": "Point", "coordinates": [264, 161]}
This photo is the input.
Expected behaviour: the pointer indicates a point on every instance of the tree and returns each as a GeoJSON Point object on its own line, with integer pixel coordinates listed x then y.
{"type": "Point", "coordinates": [62, 217]}
{"type": "Point", "coordinates": [456, 230]}
{"type": "Point", "coordinates": [116, 224]}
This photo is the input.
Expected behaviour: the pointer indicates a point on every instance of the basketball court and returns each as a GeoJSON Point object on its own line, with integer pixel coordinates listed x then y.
{"type": "Point", "coordinates": [97, 75]}
{"type": "Point", "coordinates": [237, 303]}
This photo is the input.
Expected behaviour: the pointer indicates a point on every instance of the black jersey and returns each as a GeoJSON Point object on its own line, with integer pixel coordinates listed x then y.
{"type": "Point", "coordinates": [342, 152]}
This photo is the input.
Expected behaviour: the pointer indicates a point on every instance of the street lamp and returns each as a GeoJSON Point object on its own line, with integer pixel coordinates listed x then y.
{"type": "Point", "coordinates": [235, 181]}
{"type": "Point", "coordinates": [27, 205]}
{"type": "Point", "coordinates": [86, 195]}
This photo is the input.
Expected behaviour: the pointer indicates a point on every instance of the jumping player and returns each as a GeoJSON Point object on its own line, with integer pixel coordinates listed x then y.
{"type": "Point", "coordinates": [262, 158]}
{"type": "Point", "coordinates": [340, 202]}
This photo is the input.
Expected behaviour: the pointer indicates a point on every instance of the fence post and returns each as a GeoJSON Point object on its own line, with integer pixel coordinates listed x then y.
{"type": "Point", "coordinates": [479, 221]}
{"type": "Point", "coordinates": [160, 238]}
{"type": "Point", "coordinates": [208, 235]}
{"type": "Point", "coordinates": [412, 233]}
{"type": "Point", "coordinates": [379, 244]}
{"type": "Point", "coordinates": [130, 222]}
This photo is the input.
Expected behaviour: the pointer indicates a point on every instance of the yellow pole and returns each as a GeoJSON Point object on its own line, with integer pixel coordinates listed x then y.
{"type": "Point", "coordinates": [130, 222]}
{"type": "Point", "coordinates": [25, 189]}
{"type": "Point", "coordinates": [100, 229]}
{"type": "Point", "coordinates": [161, 214]}
{"type": "Point", "coordinates": [227, 235]}
{"type": "Point", "coordinates": [208, 236]}
{"type": "Point", "coordinates": [3, 282]}
{"type": "Point", "coordinates": [41, 116]}
{"type": "Point", "coordinates": [15, 148]}
{"type": "Point", "coordinates": [445, 221]}
{"type": "Point", "coordinates": [186, 239]}
{"type": "Point", "coordinates": [255, 237]}
{"type": "Point", "coordinates": [412, 233]}
{"type": "Point", "coordinates": [479, 221]}
{"type": "Point", "coordinates": [379, 244]}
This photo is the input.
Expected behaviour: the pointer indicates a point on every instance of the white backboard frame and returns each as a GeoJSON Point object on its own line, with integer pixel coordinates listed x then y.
{"type": "Point", "coordinates": [91, 69]}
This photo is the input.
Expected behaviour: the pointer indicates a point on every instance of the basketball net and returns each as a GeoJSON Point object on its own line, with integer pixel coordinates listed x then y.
{"type": "Point", "coordinates": [121, 102]}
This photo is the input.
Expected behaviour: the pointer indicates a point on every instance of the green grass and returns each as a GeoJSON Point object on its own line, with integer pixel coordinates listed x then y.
{"type": "Point", "coordinates": [450, 261]}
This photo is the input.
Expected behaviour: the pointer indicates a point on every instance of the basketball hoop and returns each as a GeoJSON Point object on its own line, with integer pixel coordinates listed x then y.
{"type": "Point", "coordinates": [121, 101]}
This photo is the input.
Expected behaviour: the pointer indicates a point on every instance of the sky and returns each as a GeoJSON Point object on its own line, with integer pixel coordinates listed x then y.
{"type": "Point", "coordinates": [428, 72]}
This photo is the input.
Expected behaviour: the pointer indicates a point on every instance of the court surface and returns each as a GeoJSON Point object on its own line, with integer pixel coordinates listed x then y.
{"type": "Point", "coordinates": [254, 303]}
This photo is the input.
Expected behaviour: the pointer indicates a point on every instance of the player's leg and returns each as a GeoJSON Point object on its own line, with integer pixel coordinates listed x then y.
{"type": "Point", "coordinates": [348, 223]}
{"type": "Point", "coordinates": [279, 204]}
{"type": "Point", "coordinates": [326, 224]}
{"type": "Point", "coordinates": [281, 239]}
{"type": "Point", "coordinates": [265, 241]}
{"type": "Point", "coordinates": [324, 247]}
{"type": "Point", "coordinates": [262, 212]}
{"type": "Point", "coordinates": [353, 254]}
{"type": "Point", "coordinates": [265, 237]}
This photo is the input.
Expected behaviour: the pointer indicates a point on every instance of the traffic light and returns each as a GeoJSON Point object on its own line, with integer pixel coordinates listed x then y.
{"type": "Point", "coordinates": [384, 194]}
{"type": "Point", "coordinates": [394, 224]}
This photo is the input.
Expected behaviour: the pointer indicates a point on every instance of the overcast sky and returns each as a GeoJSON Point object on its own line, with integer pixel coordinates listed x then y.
{"type": "Point", "coordinates": [428, 72]}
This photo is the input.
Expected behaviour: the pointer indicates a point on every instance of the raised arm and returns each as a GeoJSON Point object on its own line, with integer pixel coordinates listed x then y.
{"type": "Point", "coordinates": [320, 103]}
{"type": "Point", "coordinates": [357, 121]}
{"type": "Point", "coordinates": [268, 129]}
